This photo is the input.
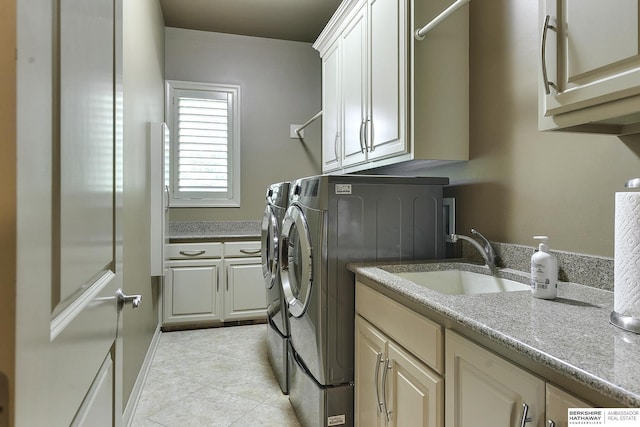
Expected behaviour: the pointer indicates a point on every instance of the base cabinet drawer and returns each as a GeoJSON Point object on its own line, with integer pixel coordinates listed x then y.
{"type": "Point", "coordinates": [242, 249]}
{"type": "Point", "coordinates": [194, 250]}
{"type": "Point", "coordinates": [424, 337]}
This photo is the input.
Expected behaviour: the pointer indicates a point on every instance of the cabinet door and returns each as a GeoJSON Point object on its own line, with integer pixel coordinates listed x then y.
{"type": "Point", "coordinates": [483, 389]}
{"type": "Point", "coordinates": [191, 292]}
{"type": "Point", "coordinates": [370, 360]}
{"type": "Point", "coordinates": [416, 393]}
{"type": "Point", "coordinates": [331, 120]}
{"type": "Point", "coordinates": [558, 402]}
{"type": "Point", "coordinates": [387, 130]}
{"type": "Point", "coordinates": [354, 80]}
{"type": "Point", "coordinates": [592, 53]}
{"type": "Point", "coordinates": [245, 293]}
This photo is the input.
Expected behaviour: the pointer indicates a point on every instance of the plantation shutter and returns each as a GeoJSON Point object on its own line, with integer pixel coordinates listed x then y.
{"type": "Point", "coordinates": [204, 147]}
{"type": "Point", "coordinates": [203, 139]}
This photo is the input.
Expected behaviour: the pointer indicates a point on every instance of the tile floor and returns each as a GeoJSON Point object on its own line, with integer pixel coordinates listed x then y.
{"type": "Point", "coordinates": [213, 377]}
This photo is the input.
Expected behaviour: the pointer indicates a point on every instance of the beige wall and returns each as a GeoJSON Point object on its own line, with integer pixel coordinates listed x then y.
{"type": "Point", "coordinates": [8, 205]}
{"type": "Point", "coordinates": [143, 86]}
{"type": "Point", "coordinates": [280, 85]}
{"type": "Point", "coordinates": [521, 182]}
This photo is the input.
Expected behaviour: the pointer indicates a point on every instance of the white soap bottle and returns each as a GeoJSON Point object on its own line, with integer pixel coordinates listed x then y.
{"type": "Point", "coordinates": [544, 271]}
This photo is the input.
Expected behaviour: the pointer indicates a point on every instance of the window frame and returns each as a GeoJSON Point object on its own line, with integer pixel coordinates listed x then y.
{"type": "Point", "coordinates": [232, 198]}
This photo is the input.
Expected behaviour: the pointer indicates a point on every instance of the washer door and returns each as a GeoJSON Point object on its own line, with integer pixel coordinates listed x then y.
{"type": "Point", "coordinates": [270, 242]}
{"type": "Point", "coordinates": [296, 261]}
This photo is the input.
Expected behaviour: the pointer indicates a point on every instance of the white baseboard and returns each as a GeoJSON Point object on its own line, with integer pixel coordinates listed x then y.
{"type": "Point", "coordinates": [132, 403]}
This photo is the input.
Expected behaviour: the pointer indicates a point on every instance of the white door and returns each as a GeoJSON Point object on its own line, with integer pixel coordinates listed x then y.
{"type": "Point", "coordinates": [354, 93]}
{"type": "Point", "coordinates": [331, 110]}
{"type": "Point", "coordinates": [387, 100]}
{"type": "Point", "coordinates": [591, 52]}
{"type": "Point", "coordinates": [485, 390]}
{"type": "Point", "coordinates": [371, 352]}
{"type": "Point", "coordinates": [416, 393]}
{"type": "Point", "coordinates": [245, 296]}
{"type": "Point", "coordinates": [192, 291]}
{"type": "Point", "coordinates": [69, 267]}
{"type": "Point", "coordinates": [558, 402]}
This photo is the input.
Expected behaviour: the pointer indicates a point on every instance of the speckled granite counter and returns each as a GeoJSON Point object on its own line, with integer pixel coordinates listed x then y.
{"type": "Point", "coordinates": [194, 231]}
{"type": "Point", "coordinates": [570, 336]}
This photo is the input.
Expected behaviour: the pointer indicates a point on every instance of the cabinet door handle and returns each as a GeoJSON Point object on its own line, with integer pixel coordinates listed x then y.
{"type": "Point", "coordinates": [377, 380]}
{"type": "Point", "coordinates": [251, 251]}
{"type": "Point", "coordinates": [363, 129]}
{"type": "Point", "coordinates": [525, 419]}
{"type": "Point", "coordinates": [551, 423]}
{"type": "Point", "coordinates": [335, 146]}
{"type": "Point", "coordinates": [543, 56]}
{"type": "Point", "coordinates": [192, 253]}
{"type": "Point", "coordinates": [387, 412]}
{"type": "Point", "coordinates": [369, 132]}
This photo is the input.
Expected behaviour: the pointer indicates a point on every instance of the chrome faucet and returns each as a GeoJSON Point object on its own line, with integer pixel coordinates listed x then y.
{"type": "Point", "coordinates": [486, 251]}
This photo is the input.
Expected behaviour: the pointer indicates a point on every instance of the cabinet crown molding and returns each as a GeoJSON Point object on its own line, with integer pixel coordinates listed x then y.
{"type": "Point", "coordinates": [332, 29]}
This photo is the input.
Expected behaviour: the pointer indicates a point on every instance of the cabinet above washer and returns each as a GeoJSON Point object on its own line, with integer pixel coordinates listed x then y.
{"type": "Point", "coordinates": [387, 97]}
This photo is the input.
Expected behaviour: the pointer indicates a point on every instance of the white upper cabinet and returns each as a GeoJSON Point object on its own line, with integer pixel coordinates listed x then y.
{"type": "Point", "coordinates": [368, 105]}
{"type": "Point", "coordinates": [589, 77]}
{"type": "Point", "coordinates": [353, 41]}
{"type": "Point", "coordinates": [331, 120]}
{"type": "Point", "coordinates": [386, 133]}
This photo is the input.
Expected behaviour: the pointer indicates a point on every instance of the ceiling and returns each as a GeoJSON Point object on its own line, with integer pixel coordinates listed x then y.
{"type": "Point", "coordinates": [298, 20]}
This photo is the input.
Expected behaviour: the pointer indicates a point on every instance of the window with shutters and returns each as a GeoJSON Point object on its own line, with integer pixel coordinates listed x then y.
{"type": "Point", "coordinates": [204, 121]}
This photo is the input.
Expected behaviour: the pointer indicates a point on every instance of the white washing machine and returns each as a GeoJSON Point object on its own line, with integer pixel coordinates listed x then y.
{"type": "Point", "coordinates": [277, 200]}
{"type": "Point", "coordinates": [333, 220]}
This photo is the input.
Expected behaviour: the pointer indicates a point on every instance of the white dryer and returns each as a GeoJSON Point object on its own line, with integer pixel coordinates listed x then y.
{"type": "Point", "coordinates": [277, 199]}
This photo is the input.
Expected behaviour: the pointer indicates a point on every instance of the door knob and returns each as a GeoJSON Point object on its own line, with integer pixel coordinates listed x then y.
{"type": "Point", "coordinates": [134, 300]}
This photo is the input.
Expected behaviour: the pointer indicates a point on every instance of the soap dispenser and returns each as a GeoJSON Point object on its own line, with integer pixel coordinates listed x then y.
{"type": "Point", "coordinates": [544, 271]}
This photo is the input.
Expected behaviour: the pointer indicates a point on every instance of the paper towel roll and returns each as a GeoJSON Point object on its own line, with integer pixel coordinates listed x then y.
{"type": "Point", "coordinates": [626, 273]}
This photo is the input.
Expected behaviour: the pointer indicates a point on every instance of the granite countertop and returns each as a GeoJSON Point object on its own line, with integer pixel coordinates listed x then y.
{"type": "Point", "coordinates": [184, 231]}
{"type": "Point", "coordinates": [570, 335]}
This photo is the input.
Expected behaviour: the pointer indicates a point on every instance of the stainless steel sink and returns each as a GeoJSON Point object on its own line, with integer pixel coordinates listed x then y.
{"type": "Point", "coordinates": [460, 282]}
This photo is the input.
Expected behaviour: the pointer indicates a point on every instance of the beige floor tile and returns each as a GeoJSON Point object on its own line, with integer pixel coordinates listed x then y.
{"type": "Point", "coordinates": [269, 415]}
{"type": "Point", "coordinates": [207, 407]}
{"type": "Point", "coordinates": [213, 377]}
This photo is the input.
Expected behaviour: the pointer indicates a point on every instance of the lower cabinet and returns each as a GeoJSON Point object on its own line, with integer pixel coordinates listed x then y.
{"type": "Point", "coordinates": [401, 363]}
{"type": "Point", "coordinates": [192, 291]}
{"type": "Point", "coordinates": [485, 390]}
{"type": "Point", "coordinates": [558, 404]}
{"type": "Point", "coordinates": [245, 293]}
{"type": "Point", "coordinates": [211, 283]}
{"type": "Point", "coordinates": [395, 380]}
{"type": "Point", "coordinates": [392, 386]}
{"type": "Point", "coordinates": [416, 391]}
{"type": "Point", "coordinates": [371, 356]}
